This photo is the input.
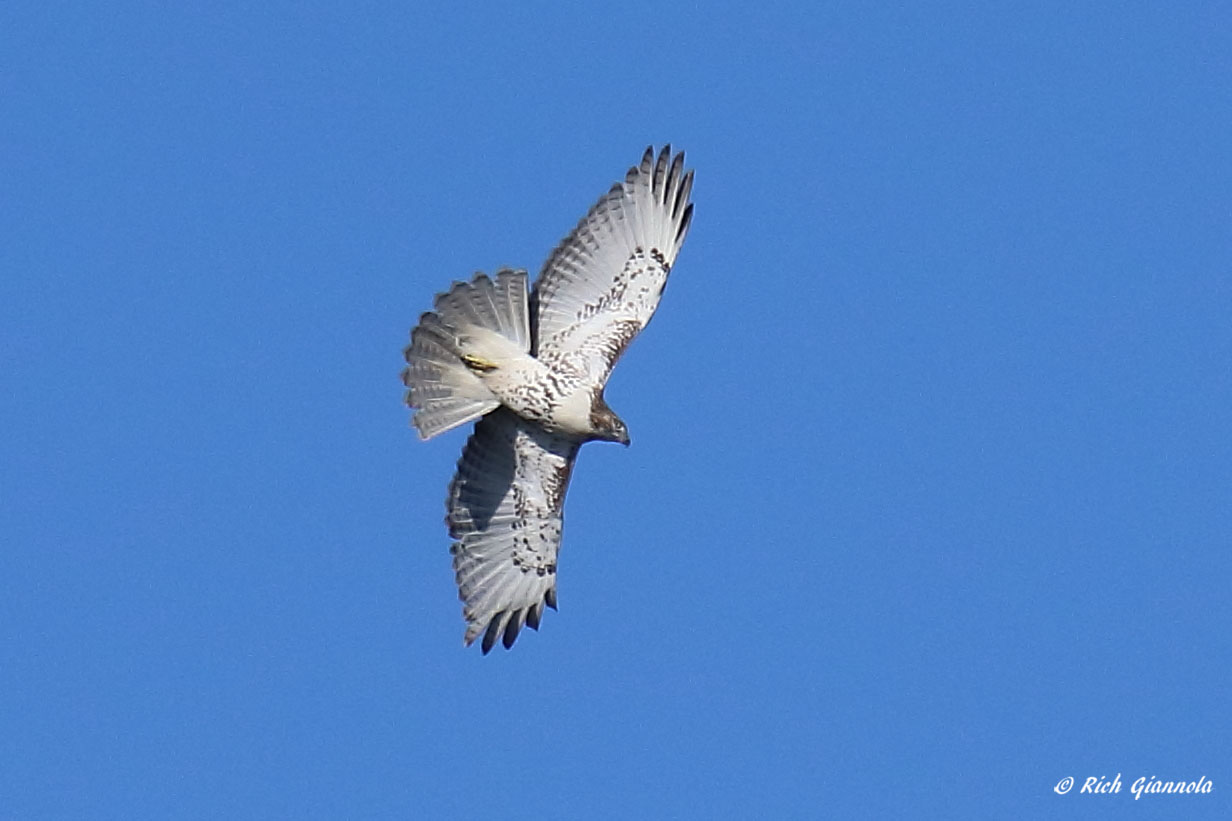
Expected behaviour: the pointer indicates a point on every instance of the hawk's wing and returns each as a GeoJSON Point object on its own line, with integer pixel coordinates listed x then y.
{"type": "Point", "coordinates": [505, 509]}
{"type": "Point", "coordinates": [602, 284]}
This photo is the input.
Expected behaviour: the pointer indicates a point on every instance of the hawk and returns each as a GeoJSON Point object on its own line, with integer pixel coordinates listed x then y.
{"type": "Point", "coordinates": [530, 365]}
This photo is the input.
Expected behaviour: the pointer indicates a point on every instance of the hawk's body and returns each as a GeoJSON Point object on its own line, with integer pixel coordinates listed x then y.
{"type": "Point", "coordinates": [533, 366]}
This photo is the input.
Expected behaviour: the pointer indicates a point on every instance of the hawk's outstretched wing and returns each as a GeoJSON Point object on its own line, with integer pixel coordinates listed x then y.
{"type": "Point", "coordinates": [505, 509]}
{"type": "Point", "coordinates": [602, 284]}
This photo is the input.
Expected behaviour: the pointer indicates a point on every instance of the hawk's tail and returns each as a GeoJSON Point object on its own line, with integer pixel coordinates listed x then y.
{"type": "Point", "coordinates": [442, 378]}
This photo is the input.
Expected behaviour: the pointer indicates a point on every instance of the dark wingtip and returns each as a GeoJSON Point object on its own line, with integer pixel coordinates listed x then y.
{"type": "Point", "coordinates": [645, 167]}
{"type": "Point", "coordinates": [677, 168]}
{"type": "Point", "coordinates": [549, 598]}
{"type": "Point", "coordinates": [658, 180]}
{"type": "Point", "coordinates": [490, 635]}
{"type": "Point", "coordinates": [684, 224]}
{"type": "Point", "coordinates": [683, 191]}
{"type": "Point", "coordinates": [511, 630]}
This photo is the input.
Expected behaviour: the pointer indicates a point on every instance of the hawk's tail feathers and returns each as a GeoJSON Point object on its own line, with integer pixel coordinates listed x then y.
{"type": "Point", "coordinates": [498, 305]}
{"type": "Point", "coordinates": [441, 387]}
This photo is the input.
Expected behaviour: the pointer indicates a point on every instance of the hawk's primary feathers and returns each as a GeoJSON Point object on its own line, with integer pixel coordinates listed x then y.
{"type": "Point", "coordinates": [531, 367]}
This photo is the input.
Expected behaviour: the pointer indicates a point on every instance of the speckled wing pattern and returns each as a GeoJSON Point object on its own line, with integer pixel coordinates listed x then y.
{"type": "Point", "coordinates": [505, 511]}
{"type": "Point", "coordinates": [603, 283]}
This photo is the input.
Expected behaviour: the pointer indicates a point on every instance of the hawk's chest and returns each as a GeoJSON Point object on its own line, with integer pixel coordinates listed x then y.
{"type": "Point", "coordinates": [556, 398]}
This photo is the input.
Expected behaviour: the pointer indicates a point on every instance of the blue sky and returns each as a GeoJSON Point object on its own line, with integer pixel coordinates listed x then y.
{"type": "Point", "coordinates": [928, 503]}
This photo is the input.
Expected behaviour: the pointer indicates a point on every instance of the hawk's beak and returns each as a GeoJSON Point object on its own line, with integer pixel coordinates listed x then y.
{"type": "Point", "coordinates": [624, 439]}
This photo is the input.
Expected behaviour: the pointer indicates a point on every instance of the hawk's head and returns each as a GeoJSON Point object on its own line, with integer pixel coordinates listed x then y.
{"type": "Point", "coordinates": [605, 424]}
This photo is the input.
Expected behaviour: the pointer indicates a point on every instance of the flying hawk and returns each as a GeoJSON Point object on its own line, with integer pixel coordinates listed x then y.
{"type": "Point", "coordinates": [531, 366]}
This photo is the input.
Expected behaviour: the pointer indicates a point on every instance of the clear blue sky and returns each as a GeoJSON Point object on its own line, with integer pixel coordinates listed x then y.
{"type": "Point", "coordinates": [928, 502]}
